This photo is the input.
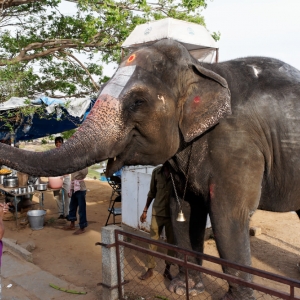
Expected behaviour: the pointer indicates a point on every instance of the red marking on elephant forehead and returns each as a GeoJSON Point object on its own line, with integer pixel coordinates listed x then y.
{"type": "Point", "coordinates": [197, 99]}
{"type": "Point", "coordinates": [131, 58]}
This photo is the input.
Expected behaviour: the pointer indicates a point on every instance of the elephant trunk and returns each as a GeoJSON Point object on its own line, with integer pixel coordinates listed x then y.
{"type": "Point", "coordinates": [93, 142]}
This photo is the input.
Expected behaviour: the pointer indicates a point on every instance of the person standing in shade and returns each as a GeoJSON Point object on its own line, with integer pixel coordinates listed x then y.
{"type": "Point", "coordinates": [77, 194]}
{"type": "Point", "coordinates": [62, 200]}
{"type": "Point", "coordinates": [160, 190]}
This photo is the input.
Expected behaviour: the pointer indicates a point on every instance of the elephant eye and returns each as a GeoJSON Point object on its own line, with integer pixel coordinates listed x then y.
{"type": "Point", "coordinates": [137, 103]}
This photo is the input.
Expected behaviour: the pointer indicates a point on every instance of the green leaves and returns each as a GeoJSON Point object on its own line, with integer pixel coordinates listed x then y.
{"type": "Point", "coordinates": [216, 36]}
{"type": "Point", "coordinates": [192, 5]}
{"type": "Point", "coordinates": [59, 48]}
{"type": "Point", "coordinates": [16, 80]}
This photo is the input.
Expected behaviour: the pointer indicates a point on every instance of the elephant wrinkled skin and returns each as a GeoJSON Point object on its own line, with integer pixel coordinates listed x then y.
{"type": "Point", "coordinates": [232, 129]}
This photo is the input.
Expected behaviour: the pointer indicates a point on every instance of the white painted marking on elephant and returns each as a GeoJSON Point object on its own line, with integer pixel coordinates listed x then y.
{"type": "Point", "coordinates": [282, 69]}
{"type": "Point", "coordinates": [161, 98]}
{"type": "Point", "coordinates": [286, 70]}
{"type": "Point", "coordinates": [118, 82]}
{"type": "Point", "coordinates": [256, 70]}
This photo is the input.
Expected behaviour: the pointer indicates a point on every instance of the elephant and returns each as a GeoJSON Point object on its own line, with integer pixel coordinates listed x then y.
{"type": "Point", "coordinates": [230, 132]}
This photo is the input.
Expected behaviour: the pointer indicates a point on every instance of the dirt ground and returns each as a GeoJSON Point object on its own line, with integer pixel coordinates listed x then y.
{"type": "Point", "coordinates": [77, 260]}
{"type": "Point", "coordinates": [74, 259]}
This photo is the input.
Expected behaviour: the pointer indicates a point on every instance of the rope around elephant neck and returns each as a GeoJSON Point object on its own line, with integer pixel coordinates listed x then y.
{"type": "Point", "coordinates": [186, 181]}
{"type": "Point", "coordinates": [179, 204]}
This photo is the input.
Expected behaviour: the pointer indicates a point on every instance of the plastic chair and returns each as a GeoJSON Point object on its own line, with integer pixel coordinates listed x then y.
{"type": "Point", "coordinates": [115, 183]}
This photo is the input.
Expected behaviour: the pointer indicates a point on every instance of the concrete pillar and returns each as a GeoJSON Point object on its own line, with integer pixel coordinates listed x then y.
{"type": "Point", "coordinates": [109, 264]}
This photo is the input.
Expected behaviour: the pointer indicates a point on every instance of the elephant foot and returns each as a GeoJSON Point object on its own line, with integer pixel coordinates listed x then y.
{"type": "Point", "coordinates": [247, 294]}
{"type": "Point", "coordinates": [228, 296]}
{"type": "Point", "coordinates": [178, 286]}
{"type": "Point", "coordinates": [197, 289]}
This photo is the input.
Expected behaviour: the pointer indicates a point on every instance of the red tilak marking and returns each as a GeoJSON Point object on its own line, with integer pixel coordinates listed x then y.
{"type": "Point", "coordinates": [212, 191]}
{"type": "Point", "coordinates": [131, 58]}
{"type": "Point", "coordinates": [95, 107]}
{"type": "Point", "coordinates": [197, 99]}
{"type": "Point", "coordinates": [97, 103]}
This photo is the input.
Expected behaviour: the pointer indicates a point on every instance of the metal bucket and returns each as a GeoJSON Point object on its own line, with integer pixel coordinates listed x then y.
{"type": "Point", "coordinates": [41, 187]}
{"type": "Point", "coordinates": [2, 177]}
{"type": "Point", "coordinates": [10, 181]}
{"type": "Point", "coordinates": [36, 219]}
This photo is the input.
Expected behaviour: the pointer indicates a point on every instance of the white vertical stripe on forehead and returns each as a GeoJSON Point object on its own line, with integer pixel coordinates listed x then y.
{"type": "Point", "coordinates": [118, 82]}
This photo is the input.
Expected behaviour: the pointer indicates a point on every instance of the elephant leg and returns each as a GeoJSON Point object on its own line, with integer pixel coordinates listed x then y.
{"type": "Point", "coordinates": [235, 192]}
{"type": "Point", "coordinates": [195, 213]}
{"type": "Point", "coordinates": [232, 240]}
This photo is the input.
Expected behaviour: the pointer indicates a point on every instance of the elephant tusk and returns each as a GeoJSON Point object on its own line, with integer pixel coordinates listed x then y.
{"type": "Point", "coordinates": [115, 158]}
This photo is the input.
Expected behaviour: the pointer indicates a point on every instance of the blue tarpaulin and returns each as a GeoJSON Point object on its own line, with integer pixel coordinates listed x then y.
{"type": "Point", "coordinates": [59, 115]}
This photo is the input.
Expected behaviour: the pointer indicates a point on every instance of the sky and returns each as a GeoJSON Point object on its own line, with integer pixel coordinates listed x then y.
{"type": "Point", "coordinates": [256, 28]}
{"type": "Point", "coordinates": [252, 28]}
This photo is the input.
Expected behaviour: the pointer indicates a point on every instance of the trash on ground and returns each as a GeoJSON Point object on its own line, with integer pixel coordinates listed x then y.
{"type": "Point", "coordinates": [65, 290]}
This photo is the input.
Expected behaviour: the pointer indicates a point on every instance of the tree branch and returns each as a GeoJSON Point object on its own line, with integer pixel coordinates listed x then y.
{"type": "Point", "coordinates": [54, 45]}
{"type": "Point", "coordinates": [10, 3]}
{"type": "Point", "coordinates": [96, 86]}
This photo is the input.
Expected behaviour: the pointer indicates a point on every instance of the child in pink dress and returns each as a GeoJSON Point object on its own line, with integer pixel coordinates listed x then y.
{"type": "Point", "coordinates": [3, 210]}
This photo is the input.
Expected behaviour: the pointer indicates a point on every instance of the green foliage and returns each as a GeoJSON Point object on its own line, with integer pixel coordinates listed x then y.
{"type": "Point", "coordinates": [42, 43]}
{"type": "Point", "coordinates": [92, 173]}
{"type": "Point", "coordinates": [46, 48]}
{"type": "Point", "coordinates": [216, 36]}
{"type": "Point", "coordinates": [16, 81]}
{"type": "Point", "coordinates": [67, 134]}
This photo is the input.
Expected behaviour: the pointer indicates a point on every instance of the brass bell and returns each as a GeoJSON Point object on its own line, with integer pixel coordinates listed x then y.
{"type": "Point", "coordinates": [180, 217]}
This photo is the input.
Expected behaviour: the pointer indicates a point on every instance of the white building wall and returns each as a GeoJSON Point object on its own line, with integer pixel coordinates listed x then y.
{"type": "Point", "coordinates": [135, 187]}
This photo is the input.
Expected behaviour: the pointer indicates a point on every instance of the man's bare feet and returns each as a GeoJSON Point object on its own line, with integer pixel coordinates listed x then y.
{"type": "Point", "coordinates": [147, 275]}
{"type": "Point", "coordinates": [69, 227]}
{"type": "Point", "coordinates": [79, 231]}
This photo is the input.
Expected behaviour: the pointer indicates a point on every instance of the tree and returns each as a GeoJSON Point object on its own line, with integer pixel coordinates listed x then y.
{"type": "Point", "coordinates": [58, 48]}
{"type": "Point", "coordinates": [46, 50]}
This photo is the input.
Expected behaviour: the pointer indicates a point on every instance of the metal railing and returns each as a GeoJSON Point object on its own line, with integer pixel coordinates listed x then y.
{"type": "Point", "coordinates": [134, 248]}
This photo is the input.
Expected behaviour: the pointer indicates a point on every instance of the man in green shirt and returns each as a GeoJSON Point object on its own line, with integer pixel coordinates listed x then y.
{"type": "Point", "coordinates": [160, 190]}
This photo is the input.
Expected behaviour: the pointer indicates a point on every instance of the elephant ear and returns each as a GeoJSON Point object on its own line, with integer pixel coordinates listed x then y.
{"type": "Point", "coordinates": [207, 101]}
